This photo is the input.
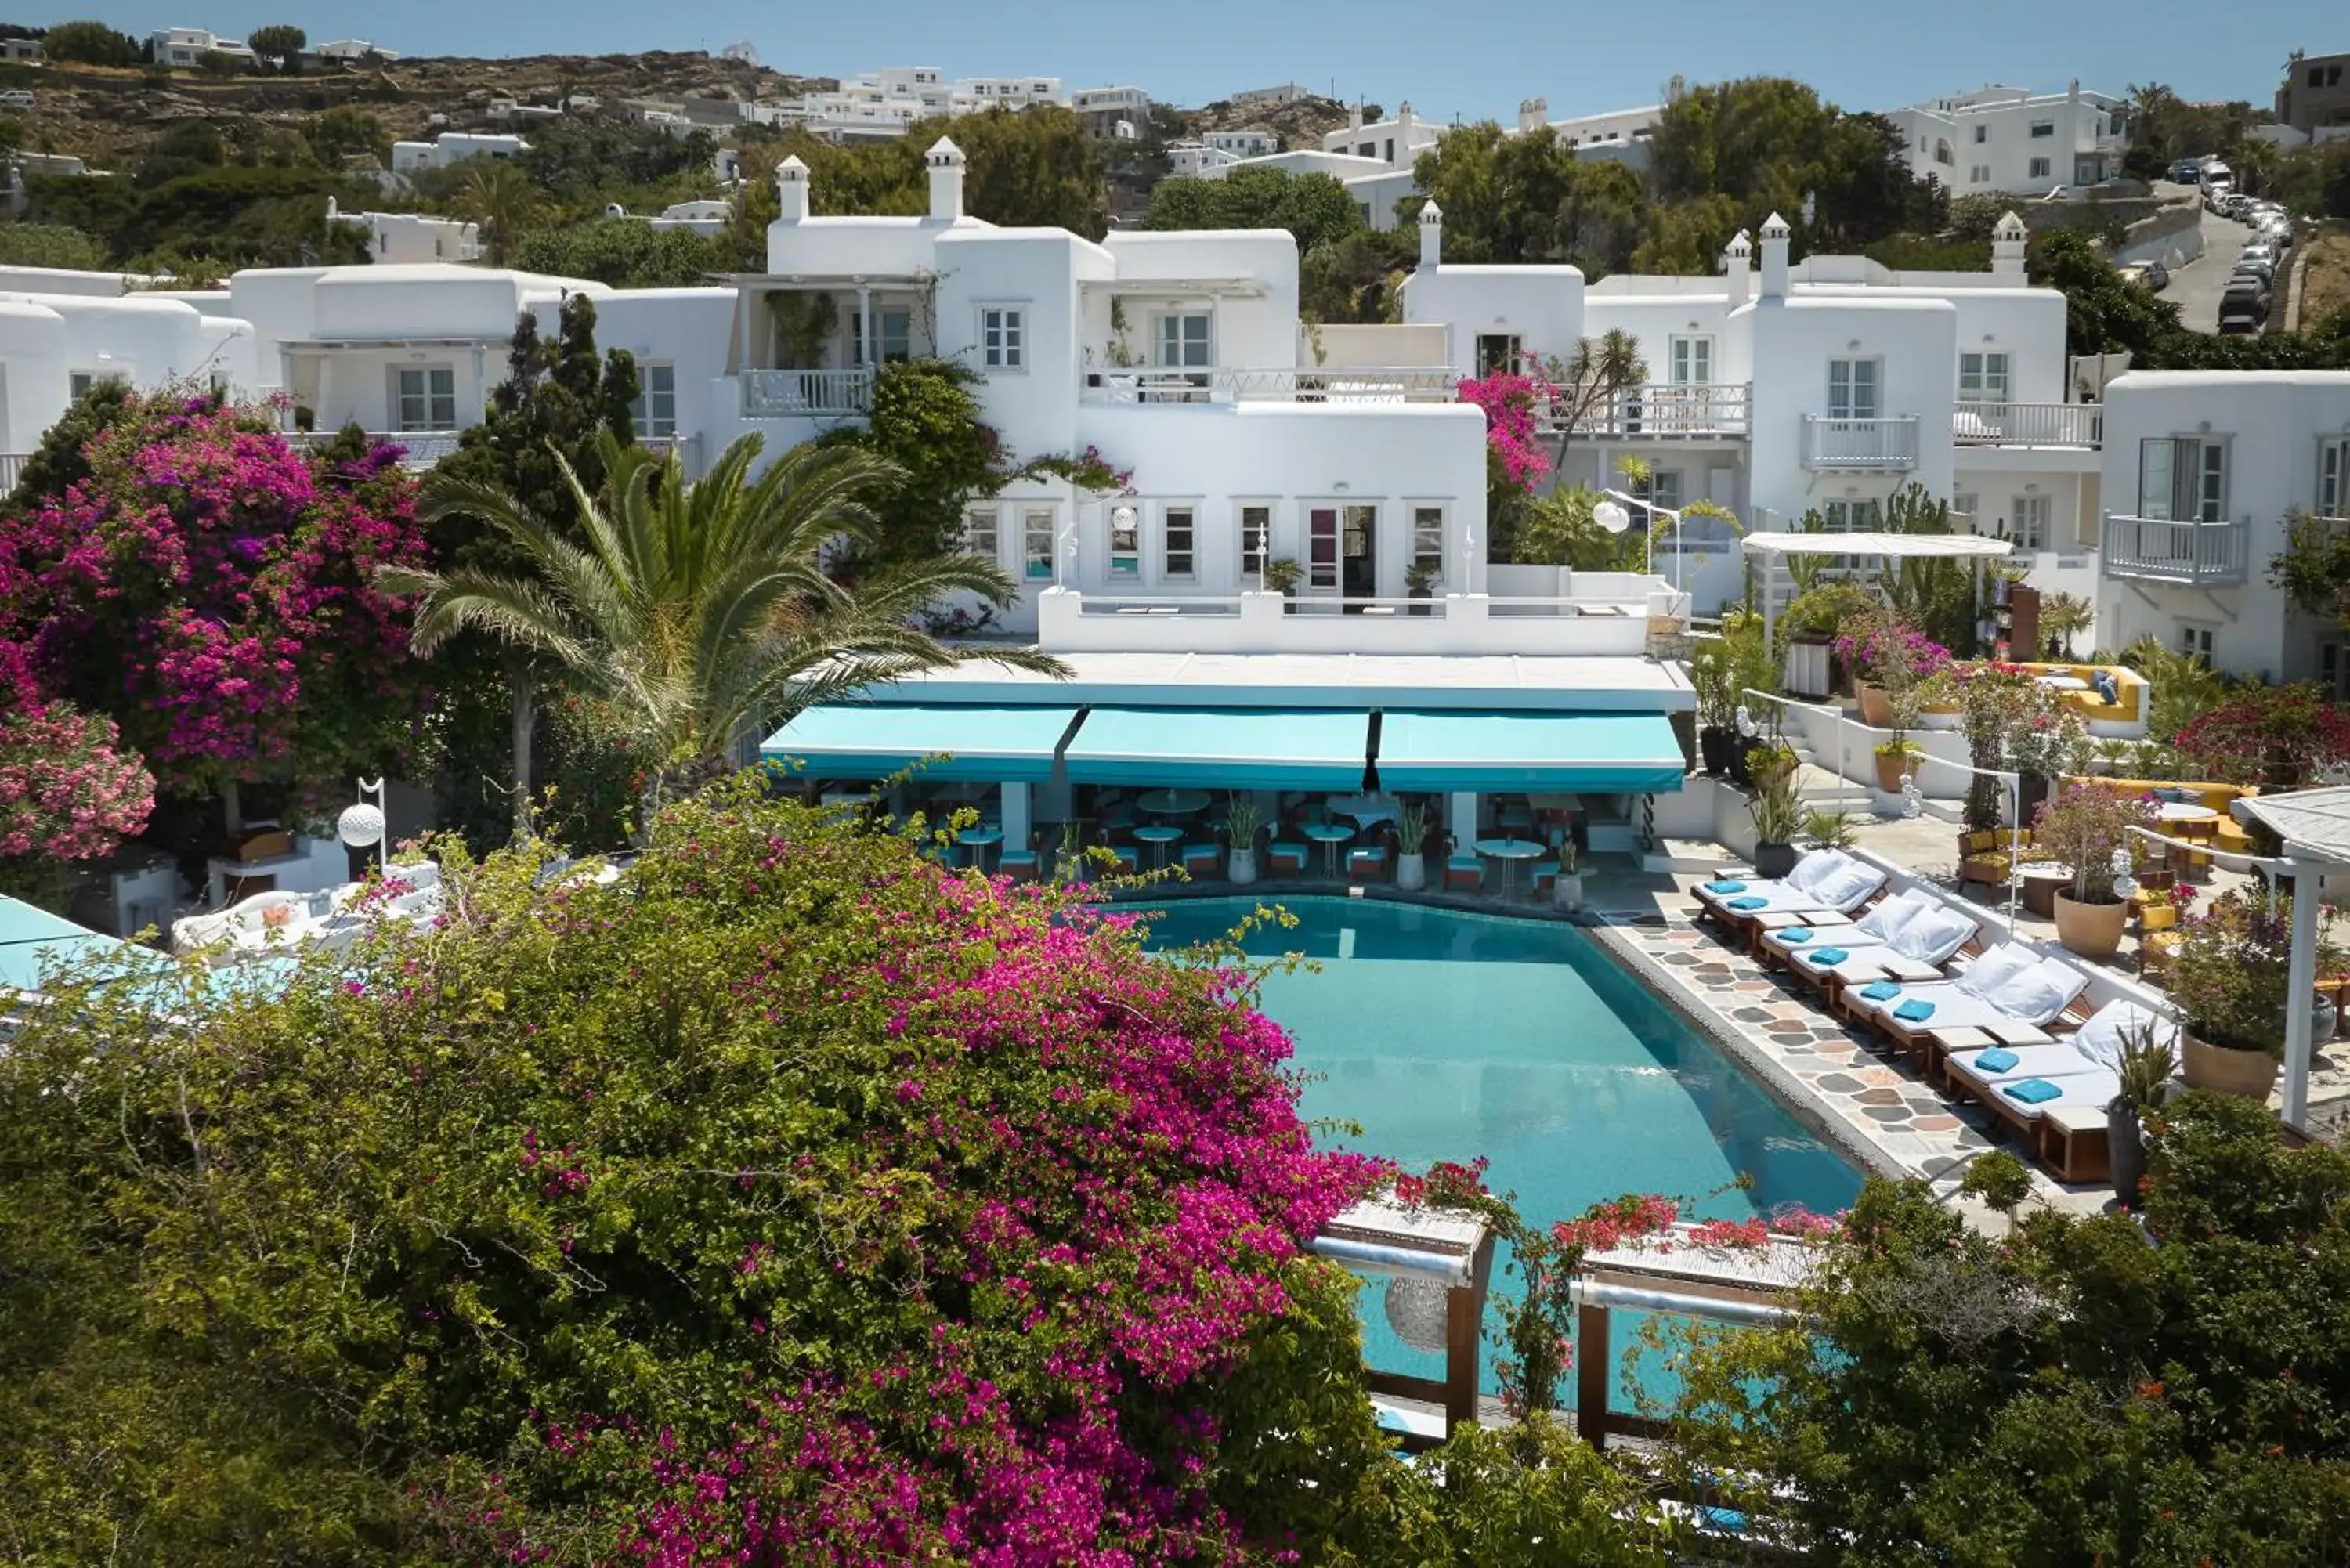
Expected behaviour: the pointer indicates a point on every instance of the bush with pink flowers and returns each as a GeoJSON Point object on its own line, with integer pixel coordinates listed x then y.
{"type": "Point", "coordinates": [210, 590]}
{"type": "Point", "coordinates": [1511, 402]}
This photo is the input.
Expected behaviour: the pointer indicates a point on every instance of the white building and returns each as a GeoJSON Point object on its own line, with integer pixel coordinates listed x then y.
{"type": "Point", "coordinates": [884, 103]}
{"type": "Point", "coordinates": [186, 46]}
{"type": "Point", "coordinates": [1117, 113]}
{"type": "Point", "coordinates": [1621, 134]}
{"type": "Point", "coordinates": [454, 146]}
{"type": "Point", "coordinates": [704, 216]}
{"type": "Point", "coordinates": [1373, 161]}
{"type": "Point", "coordinates": [348, 51]}
{"type": "Point", "coordinates": [1197, 160]}
{"type": "Point", "coordinates": [402, 237]}
{"type": "Point", "coordinates": [2011, 141]}
{"type": "Point", "coordinates": [1254, 143]}
{"type": "Point", "coordinates": [57, 342]}
{"type": "Point", "coordinates": [2202, 469]}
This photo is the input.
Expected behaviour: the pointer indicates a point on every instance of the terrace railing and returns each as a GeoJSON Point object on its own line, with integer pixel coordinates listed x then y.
{"type": "Point", "coordinates": [420, 448]}
{"type": "Point", "coordinates": [1873, 445]}
{"type": "Point", "coordinates": [12, 468]}
{"type": "Point", "coordinates": [2161, 550]}
{"type": "Point", "coordinates": [2029, 424]}
{"type": "Point", "coordinates": [1657, 412]}
{"type": "Point", "coordinates": [1280, 384]}
{"type": "Point", "coordinates": [806, 394]}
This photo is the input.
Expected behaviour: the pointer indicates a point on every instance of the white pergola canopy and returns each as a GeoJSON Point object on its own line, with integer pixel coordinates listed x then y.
{"type": "Point", "coordinates": [1904, 546]}
{"type": "Point", "coordinates": [2315, 826]}
{"type": "Point", "coordinates": [2314, 822]}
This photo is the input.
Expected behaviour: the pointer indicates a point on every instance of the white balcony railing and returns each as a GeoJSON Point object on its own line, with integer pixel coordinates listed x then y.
{"type": "Point", "coordinates": [1657, 414]}
{"type": "Point", "coordinates": [419, 449]}
{"type": "Point", "coordinates": [2029, 424]}
{"type": "Point", "coordinates": [1874, 444]}
{"type": "Point", "coordinates": [2157, 549]}
{"type": "Point", "coordinates": [806, 394]}
{"type": "Point", "coordinates": [1299, 384]}
{"type": "Point", "coordinates": [12, 468]}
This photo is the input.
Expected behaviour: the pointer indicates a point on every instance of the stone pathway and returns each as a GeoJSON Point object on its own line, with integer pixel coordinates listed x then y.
{"type": "Point", "coordinates": [1871, 1108]}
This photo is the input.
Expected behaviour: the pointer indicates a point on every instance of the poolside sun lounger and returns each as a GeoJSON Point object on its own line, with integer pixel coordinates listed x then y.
{"type": "Point", "coordinates": [2066, 1130]}
{"type": "Point", "coordinates": [2012, 983]}
{"type": "Point", "coordinates": [1713, 897]}
{"type": "Point", "coordinates": [1846, 886]}
{"type": "Point", "coordinates": [1920, 942]}
{"type": "Point", "coordinates": [1783, 936]}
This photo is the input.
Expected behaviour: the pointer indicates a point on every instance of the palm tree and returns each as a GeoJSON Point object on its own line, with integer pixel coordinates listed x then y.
{"type": "Point", "coordinates": [499, 196]}
{"type": "Point", "coordinates": [703, 612]}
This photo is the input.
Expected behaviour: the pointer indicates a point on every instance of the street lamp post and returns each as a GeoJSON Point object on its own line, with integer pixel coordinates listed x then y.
{"type": "Point", "coordinates": [362, 827]}
{"type": "Point", "coordinates": [1671, 514]}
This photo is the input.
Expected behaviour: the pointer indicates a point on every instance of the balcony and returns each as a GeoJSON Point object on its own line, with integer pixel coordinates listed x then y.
{"type": "Point", "coordinates": [807, 394]}
{"type": "Point", "coordinates": [1610, 616]}
{"type": "Point", "coordinates": [1287, 384]}
{"type": "Point", "coordinates": [2074, 425]}
{"type": "Point", "coordinates": [1657, 414]}
{"type": "Point", "coordinates": [2192, 555]}
{"type": "Point", "coordinates": [419, 449]}
{"type": "Point", "coordinates": [1886, 445]}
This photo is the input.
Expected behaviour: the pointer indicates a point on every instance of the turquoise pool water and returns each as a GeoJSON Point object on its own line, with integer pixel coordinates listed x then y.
{"type": "Point", "coordinates": [1447, 1036]}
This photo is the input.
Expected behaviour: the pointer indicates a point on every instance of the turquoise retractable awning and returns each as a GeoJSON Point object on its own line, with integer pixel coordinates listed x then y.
{"type": "Point", "coordinates": [875, 740]}
{"type": "Point", "coordinates": [1607, 753]}
{"type": "Point", "coordinates": [1222, 748]}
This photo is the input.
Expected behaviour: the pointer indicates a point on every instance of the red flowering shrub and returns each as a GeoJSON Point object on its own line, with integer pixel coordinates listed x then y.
{"type": "Point", "coordinates": [211, 592]}
{"type": "Point", "coordinates": [2279, 736]}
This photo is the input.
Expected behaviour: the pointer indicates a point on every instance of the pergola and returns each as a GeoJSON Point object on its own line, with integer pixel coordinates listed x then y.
{"type": "Point", "coordinates": [2315, 827]}
{"type": "Point", "coordinates": [1880, 547]}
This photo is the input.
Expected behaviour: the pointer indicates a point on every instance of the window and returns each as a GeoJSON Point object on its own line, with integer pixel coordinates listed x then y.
{"type": "Point", "coordinates": [1692, 361]}
{"type": "Point", "coordinates": [1851, 388]}
{"type": "Point", "coordinates": [2195, 641]}
{"type": "Point", "coordinates": [1427, 542]}
{"type": "Point", "coordinates": [1983, 134]}
{"type": "Point", "coordinates": [893, 336]}
{"type": "Point", "coordinates": [1982, 378]}
{"type": "Point", "coordinates": [1125, 543]}
{"type": "Point", "coordinates": [1664, 488]}
{"type": "Point", "coordinates": [1964, 504]}
{"type": "Point", "coordinates": [1980, 175]}
{"type": "Point", "coordinates": [2041, 128]}
{"type": "Point", "coordinates": [1177, 534]}
{"type": "Point", "coordinates": [981, 535]}
{"type": "Point", "coordinates": [2317, 76]}
{"type": "Point", "coordinates": [1256, 532]}
{"type": "Point", "coordinates": [1497, 351]}
{"type": "Point", "coordinates": [1036, 543]}
{"type": "Point", "coordinates": [2031, 514]}
{"type": "Point", "coordinates": [1322, 549]}
{"type": "Point", "coordinates": [1853, 516]}
{"type": "Point", "coordinates": [2333, 478]}
{"type": "Point", "coordinates": [2040, 167]}
{"type": "Point", "coordinates": [2182, 479]}
{"type": "Point", "coordinates": [1002, 338]}
{"type": "Point", "coordinates": [656, 405]}
{"type": "Point", "coordinates": [1182, 340]}
{"type": "Point", "coordinates": [427, 398]}
{"type": "Point", "coordinates": [2334, 668]}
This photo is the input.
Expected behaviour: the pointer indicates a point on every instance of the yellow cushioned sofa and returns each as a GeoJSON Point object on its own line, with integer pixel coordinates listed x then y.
{"type": "Point", "coordinates": [2131, 691]}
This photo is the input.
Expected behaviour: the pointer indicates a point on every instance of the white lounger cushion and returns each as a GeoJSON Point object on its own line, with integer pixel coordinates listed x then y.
{"type": "Point", "coordinates": [1997, 966]}
{"type": "Point", "coordinates": [2057, 1059]}
{"type": "Point", "coordinates": [1816, 868]}
{"type": "Point", "coordinates": [2040, 993]}
{"type": "Point", "coordinates": [1933, 935]}
{"type": "Point", "coordinates": [2100, 1039]}
{"type": "Point", "coordinates": [2095, 1088]}
{"type": "Point", "coordinates": [1889, 913]}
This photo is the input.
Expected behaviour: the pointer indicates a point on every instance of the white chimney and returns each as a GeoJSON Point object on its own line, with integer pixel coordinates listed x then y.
{"type": "Point", "coordinates": [2007, 243]}
{"type": "Point", "coordinates": [1775, 257]}
{"type": "Point", "coordinates": [1431, 233]}
{"type": "Point", "coordinates": [1738, 269]}
{"type": "Point", "coordinates": [1403, 124]}
{"type": "Point", "coordinates": [792, 189]}
{"type": "Point", "coordinates": [945, 160]}
{"type": "Point", "coordinates": [1533, 113]}
{"type": "Point", "coordinates": [1355, 116]}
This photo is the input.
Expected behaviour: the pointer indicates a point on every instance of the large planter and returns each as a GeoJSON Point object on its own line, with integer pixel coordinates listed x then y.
{"type": "Point", "coordinates": [1411, 872]}
{"type": "Point", "coordinates": [1774, 860]}
{"type": "Point", "coordinates": [1805, 671]}
{"type": "Point", "coordinates": [1714, 743]}
{"type": "Point", "coordinates": [2126, 1145]}
{"type": "Point", "coordinates": [2091, 930]}
{"type": "Point", "coordinates": [1938, 718]}
{"type": "Point", "coordinates": [1892, 768]}
{"type": "Point", "coordinates": [1875, 707]}
{"type": "Point", "coordinates": [1684, 725]}
{"type": "Point", "coordinates": [1239, 867]}
{"type": "Point", "coordinates": [2224, 1069]}
{"type": "Point", "coordinates": [1566, 890]}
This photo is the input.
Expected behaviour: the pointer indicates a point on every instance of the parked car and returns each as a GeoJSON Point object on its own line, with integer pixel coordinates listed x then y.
{"type": "Point", "coordinates": [16, 98]}
{"type": "Point", "coordinates": [2186, 171]}
{"type": "Point", "coordinates": [2257, 252]}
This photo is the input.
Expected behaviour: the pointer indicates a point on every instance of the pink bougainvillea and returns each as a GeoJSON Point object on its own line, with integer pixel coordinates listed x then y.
{"type": "Point", "coordinates": [210, 590]}
{"type": "Point", "coordinates": [67, 793]}
{"type": "Point", "coordinates": [1511, 402]}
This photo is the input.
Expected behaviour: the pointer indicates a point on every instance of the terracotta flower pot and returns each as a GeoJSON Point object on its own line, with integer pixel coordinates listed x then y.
{"type": "Point", "coordinates": [2224, 1069]}
{"type": "Point", "coordinates": [1891, 769]}
{"type": "Point", "coordinates": [1875, 707]}
{"type": "Point", "coordinates": [2091, 930]}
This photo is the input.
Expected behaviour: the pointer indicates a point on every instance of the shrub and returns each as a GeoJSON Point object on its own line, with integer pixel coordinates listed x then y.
{"type": "Point", "coordinates": [2086, 826]}
{"type": "Point", "coordinates": [2232, 975]}
{"type": "Point", "coordinates": [68, 792]}
{"type": "Point", "coordinates": [2277, 736]}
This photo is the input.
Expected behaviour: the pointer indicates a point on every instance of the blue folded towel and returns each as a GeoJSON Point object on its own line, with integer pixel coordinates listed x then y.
{"type": "Point", "coordinates": [1796, 936]}
{"type": "Point", "coordinates": [1725, 886]}
{"type": "Point", "coordinates": [1828, 957]}
{"type": "Point", "coordinates": [1997, 1059]}
{"type": "Point", "coordinates": [1748, 904]}
{"type": "Point", "coordinates": [1882, 989]}
{"type": "Point", "coordinates": [1914, 1011]}
{"type": "Point", "coordinates": [2032, 1091]}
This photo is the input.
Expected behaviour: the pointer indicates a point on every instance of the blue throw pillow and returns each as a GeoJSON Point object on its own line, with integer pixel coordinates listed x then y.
{"type": "Point", "coordinates": [1881, 990]}
{"type": "Point", "coordinates": [2032, 1091]}
{"type": "Point", "coordinates": [1796, 936]}
{"type": "Point", "coordinates": [1748, 904]}
{"type": "Point", "coordinates": [1827, 958]}
{"type": "Point", "coordinates": [2106, 685]}
{"type": "Point", "coordinates": [1914, 1011]}
{"type": "Point", "coordinates": [1997, 1059]}
{"type": "Point", "coordinates": [1725, 886]}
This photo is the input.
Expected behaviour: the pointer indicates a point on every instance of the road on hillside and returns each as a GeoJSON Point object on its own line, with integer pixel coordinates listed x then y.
{"type": "Point", "coordinates": [2196, 288]}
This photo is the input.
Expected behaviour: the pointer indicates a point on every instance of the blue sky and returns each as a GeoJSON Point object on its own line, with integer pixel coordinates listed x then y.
{"type": "Point", "coordinates": [1475, 59]}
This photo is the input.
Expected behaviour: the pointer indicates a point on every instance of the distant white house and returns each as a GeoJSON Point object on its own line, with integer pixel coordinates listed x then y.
{"type": "Point", "coordinates": [403, 237]}
{"type": "Point", "coordinates": [348, 51]}
{"type": "Point", "coordinates": [454, 146]}
{"type": "Point", "coordinates": [879, 104]}
{"type": "Point", "coordinates": [1374, 161]}
{"type": "Point", "coordinates": [1114, 113]}
{"type": "Point", "coordinates": [2011, 141]}
{"type": "Point", "coordinates": [184, 46]}
{"type": "Point", "coordinates": [1254, 143]}
{"type": "Point", "coordinates": [706, 216]}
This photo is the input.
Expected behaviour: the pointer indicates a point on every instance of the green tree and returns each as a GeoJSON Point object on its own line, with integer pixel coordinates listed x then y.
{"type": "Point", "coordinates": [498, 195]}
{"type": "Point", "coordinates": [88, 44]}
{"type": "Point", "coordinates": [1529, 199]}
{"type": "Point", "coordinates": [49, 244]}
{"type": "Point", "coordinates": [937, 456]}
{"type": "Point", "coordinates": [625, 252]}
{"type": "Point", "coordinates": [345, 129]}
{"type": "Point", "coordinates": [281, 43]}
{"type": "Point", "coordinates": [1315, 208]}
{"type": "Point", "coordinates": [703, 613]}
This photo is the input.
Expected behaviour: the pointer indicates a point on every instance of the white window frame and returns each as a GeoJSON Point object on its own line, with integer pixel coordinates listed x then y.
{"type": "Point", "coordinates": [1039, 525]}
{"type": "Point", "coordinates": [1845, 384]}
{"type": "Point", "coordinates": [2333, 477]}
{"type": "Point", "coordinates": [1853, 513]}
{"type": "Point", "coordinates": [1429, 521]}
{"type": "Point", "coordinates": [1983, 134]}
{"type": "Point", "coordinates": [1966, 504]}
{"type": "Point", "coordinates": [2043, 129]}
{"type": "Point", "coordinates": [1004, 339]}
{"type": "Point", "coordinates": [1188, 532]}
{"type": "Point", "coordinates": [2042, 169]}
{"type": "Point", "coordinates": [2198, 640]}
{"type": "Point", "coordinates": [1315, 579]}
{"type": "Point", "coordinates": [1689, 359]}
{"type": "Point", "coordinates": [1515, 350]}
{"type": "Point", "coordinates": [652, 423]}
{"type": "Point", "coordinates": [1984, 377]}
{"type": "Point", "coordinates": [881, 336]}
{"type": "Point", "coordinates": [430, 397]}
{"type": "Point", "coordinates": [2033, 534]}
{"type": "Point", "coordinates": [1254, 539]}
{"type": "Point", "coordinates": [1663, 489]}
{"type": "Point", "coordinates": [983, 531]}
{"type": "Point", "coordinates": [2201, 491]}
{"type": "Point", "coordinates": [80, 384]}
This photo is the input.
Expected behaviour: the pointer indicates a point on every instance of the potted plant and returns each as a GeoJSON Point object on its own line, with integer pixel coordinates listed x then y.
{"type": "Point", "coordinates": [1241, 820]}
{"type": "Point", "coordinates": [1420, 583]}
{"type": "Point", "coordinates": [1828, 830]}
{"type": "Point", "coordinates": [2159, 909]}
{"type": "Point", "coordinates": [1777, 810]}
{"type": "Point", "coordinates": [1711, 677]}
{"type": "Point", "coordinates": [2088, 827]}
{"type": "Point", "coordinates": [1566, 890]}
{"type": "Point", "coordinates": [2231, 980]}
{"type": "Point", "coordinates": [1282, 574]}
{"type": "Point", "coordinates": [1897, 759]}
{"type": "Point", "coordinates": [1069, 859]}
{"type": "Point", "coordinates": [2147, 1062]}
{"type": "Point", "coordinates": [1411, 836]}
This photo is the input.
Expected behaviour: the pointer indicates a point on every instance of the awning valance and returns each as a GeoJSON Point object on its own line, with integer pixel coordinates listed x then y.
{"type": "Point", "coordinates": [952, 742]}
{"type": "Point", "coordinates": [1605, 754]}
{"type": "Point", "coordinates": [1222, 748]}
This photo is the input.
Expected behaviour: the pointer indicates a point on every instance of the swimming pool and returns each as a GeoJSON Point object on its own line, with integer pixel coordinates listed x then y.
{"type": "Point", "coordinates": [1450, 1035]}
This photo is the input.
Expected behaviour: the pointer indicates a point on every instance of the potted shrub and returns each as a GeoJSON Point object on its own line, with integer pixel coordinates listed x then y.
{"type": "Point", "coordinates": [2088, 827]}
{"type": "Point", "coordinates": [1241, 820]}
{"type": "Point", "coordinates": [1897, 759]}
{"type": "Point", "coordinates": [1069, 859]}
{"type": "Point", "coordinates": [1283, 575]}
{"type": "Point", "coordinates": [1777, 810]}
{"type": "Point", "coordinates": [2231, 980]}
{"type": "Point", "coordinates": [1828, 830]}
{"type": "Point", "coordinates": [1411, 837]}
{"type": "Point", "coordinates": [1711, 677]}
{"type": "Point", "coordinates": [2159, 909]}
{"type": "Point", "coordinates": [2147, 1062]}
{"type": "Point", "coordinates": [1420, 583]}
{"type": "Point", "coordinates": [1566, 891]}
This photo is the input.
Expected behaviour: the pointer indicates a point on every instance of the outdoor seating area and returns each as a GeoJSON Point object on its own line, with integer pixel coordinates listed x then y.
{"type": "Point", "coordinates": [278, 922]}
{"type": "Point", "coordinates": [2103, 694]}
{"type": "Point", "coordinates": [2034, 1037]}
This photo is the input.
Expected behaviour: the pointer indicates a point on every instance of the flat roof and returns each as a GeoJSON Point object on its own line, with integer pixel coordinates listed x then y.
{"type": "Point", "coordinates": [1516, 681]}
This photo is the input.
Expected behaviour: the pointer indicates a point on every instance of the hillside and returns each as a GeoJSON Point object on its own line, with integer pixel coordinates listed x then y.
{"type": "Point", "coordinates": [1300, 122]}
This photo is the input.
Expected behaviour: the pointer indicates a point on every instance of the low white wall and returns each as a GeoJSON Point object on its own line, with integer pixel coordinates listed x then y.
{"type": "Point", "coordinates": [1261, 623]}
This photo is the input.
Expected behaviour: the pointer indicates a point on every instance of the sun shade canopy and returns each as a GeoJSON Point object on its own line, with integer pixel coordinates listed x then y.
{"type": "Point", "coordinates": [1222, 748]}
{"type": "Point", "coordinates": [1605, 754]}
{"type": "Point", "coordinates": [1902, 545]}
{"type": "Point", "coordinates": [952, 742]}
